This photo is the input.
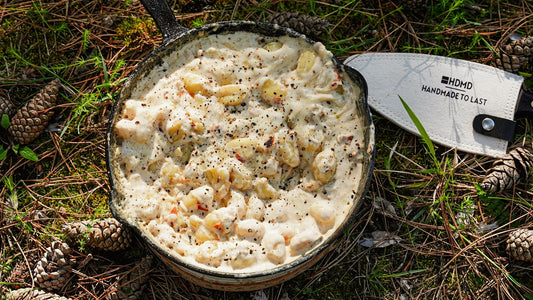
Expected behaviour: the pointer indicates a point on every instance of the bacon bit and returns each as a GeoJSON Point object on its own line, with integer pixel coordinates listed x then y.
{"type": "Point", "coordinates": [174, 210]}
{"type": "Point", "coordinates": [239, 158]}
{"type": "Point", "coordinates": [201, 207]}
{"type": "Point", "coordinates": [334, 84]}
{"type": "Point", "coordinates": [171, 224]}
{"type": "Point", "coordinates": [218, 226]}
{"type": "Point", "coordinates": [269, 143]}
{"type": "Point", "coordinates": [348, 138]}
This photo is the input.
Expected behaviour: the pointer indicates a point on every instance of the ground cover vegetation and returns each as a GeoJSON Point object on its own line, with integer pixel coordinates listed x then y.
{"type": "Point", "coordinates": [426, 229]}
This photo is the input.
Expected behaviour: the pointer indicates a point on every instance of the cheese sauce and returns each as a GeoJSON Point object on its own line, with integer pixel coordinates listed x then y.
{"type": "Point", "coordinates": [239, 153]}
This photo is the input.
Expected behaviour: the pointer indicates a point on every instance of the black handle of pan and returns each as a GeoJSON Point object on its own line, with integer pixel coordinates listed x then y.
{"type": "Point", "coordinates": [164, 18]}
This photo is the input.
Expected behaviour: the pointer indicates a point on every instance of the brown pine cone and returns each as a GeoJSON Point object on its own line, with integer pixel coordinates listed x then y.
{"type": "Point", "coordinates": [520, 244]}
{"type": "Point", "coordinates": [32, 294]}
{"type": "Point", "coordinates": [31, 120]}
{"type": "Point", "coordinates": [131, 286]}
{"type": "Point", "coordinates": [104, 234]}
{"type": "Point", "coordinates": [515, 55]}
{"type": "Point", "coordinates": [309, 25]}
{"type": "Point", "coordinates": [54, 268]}
{"type": "Point", "coordinates": [6, 107]}
{"type": "Point", "coordinates": [508, 170]}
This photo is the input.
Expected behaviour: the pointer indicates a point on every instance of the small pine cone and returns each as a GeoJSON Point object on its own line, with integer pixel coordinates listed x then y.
{"type": "Point", "coordinates": [6, 107]}
{"type": "Point", "coordinates": [31, 120]}
{"type": "Point", "coordinates": [54, 268]}
{"type": "Point", "coordinates": [508, 170]}
{"type": "Point", "coordinates": [309, 25]}
{"type": "Point", "coordinates": [131, 286]}
{"type": "Point", "coordinates": [32, 294]}
{"type": "Point", "coordinates": [520, 244]}
{"type": "Point", "coordinates": [104, 234]}
{"type": "Point", "coordinates": [515, 55]}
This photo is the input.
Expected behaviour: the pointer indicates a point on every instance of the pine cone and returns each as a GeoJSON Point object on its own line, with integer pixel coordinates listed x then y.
{"type": "Point", "coordinates": [508, 170]}
{"type": "Point", "coordinates": [309, 25]}
{"type": "Point", "coordinates": [31, 294]}
{"type": "Point", "coordinates": [515, 55]}
{"type": "Point", "coordinates": [54, 268]}
{"type": "Point", "coordinates": [520, 244]}
{"type": "Point", "coordinates": [31, 120]}
{"type": "Point", "coordinates": [132, 285]}
{"type": "Point", "coordinates": [104, 234]}
{"type": "Point", "coordinates": [6, 107]}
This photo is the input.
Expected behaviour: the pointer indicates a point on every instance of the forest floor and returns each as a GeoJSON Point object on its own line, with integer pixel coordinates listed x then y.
{"type": "Point", "coordinates": [448, 236]}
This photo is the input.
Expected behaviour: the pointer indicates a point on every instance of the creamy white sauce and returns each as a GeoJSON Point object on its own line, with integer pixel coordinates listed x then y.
{"type": "Point", "coordinates": [240, 153]}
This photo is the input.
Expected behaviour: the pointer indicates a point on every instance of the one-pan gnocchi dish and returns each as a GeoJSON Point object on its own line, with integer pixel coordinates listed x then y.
{"type": "Point", "coordinates": [240, 154]}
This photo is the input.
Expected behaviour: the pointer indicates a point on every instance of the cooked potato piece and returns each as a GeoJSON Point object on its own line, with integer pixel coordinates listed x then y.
{"type": "Point", "coordinates": [172, 128]}
{"type": "Point", "coordinates": [256, 208]}
{"type": "Point", "coordinates": [273, 92]}
{"type": "Point", "coordinates": [240, 176]}
{"type": "Point", "coordinates": [232, 94]}
{"type": "Point", "coordinates": [270, 167]}
{"type": "Point", "coordinates": [251, 228]}
{"type": "Point", "coordinates": [199, 198]}
{"type": "Point", "coordinates": [170, 173]}
{"type": "Point", "coordinates": [276, 212]}
{"type": "Point", "coordinates": [324, 166]}
{"type": "Point", "coordinates": [309, 137]}
{"type": "Point", "coordinates": [323, 213]}
{"type": "Point", "coordinates": [243, 147]}
{"type": "Point", "coordinates": [195, 221]}
{"type": "Point", "coordinates": [264, 190]}
{"type": "Point", "coordinates": [238, 203]}
{"type": "Point", "coordinates": [209, 253]}
{"type": "Point", "coordinates": [244, 255]}
{"type": "Point", "coordinates": [194, 83]}
{"type": "Point", "coordinates": [221, 220]}
{"type": "Point", "coordinates": [306, 61]}
{"type": "Point", "coordinates": [129, 111]}
{"type": "Point", "coordinates": [287, 152]}
{"type": "Point", "coordinates": [274, 244]}
{"type": "Point", "coordinates": [219, 179]}
{"type": "Point", "coordinates": [176, 220]}
{"type": "Point", "coordinates": [304, 241]}
{"type": "Point", "coordinates": [129, 129]}
{"type": "Point", "coordinates": [203, 234]}
{"type": "Point", "coordinates": [273, 46]}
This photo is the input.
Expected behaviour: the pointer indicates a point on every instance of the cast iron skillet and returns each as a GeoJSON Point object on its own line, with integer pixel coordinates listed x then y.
{"type": "Point", "coordinates": [176, 36]}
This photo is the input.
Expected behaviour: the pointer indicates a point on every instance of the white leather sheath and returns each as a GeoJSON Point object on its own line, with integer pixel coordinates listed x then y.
{"type": "Point", "coordinates": [445, 94]}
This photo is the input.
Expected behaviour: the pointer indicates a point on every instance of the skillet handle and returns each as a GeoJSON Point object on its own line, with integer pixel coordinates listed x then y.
{"type": "Point", "coordinates": [164, 18]}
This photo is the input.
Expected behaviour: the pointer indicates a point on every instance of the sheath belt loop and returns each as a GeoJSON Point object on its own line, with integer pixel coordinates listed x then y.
{"type": "Point", "coordinates": [493, 126]}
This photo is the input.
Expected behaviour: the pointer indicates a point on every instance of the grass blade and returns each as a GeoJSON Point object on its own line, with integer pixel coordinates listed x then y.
{"type": "Point", "coordinates": [422, 131]}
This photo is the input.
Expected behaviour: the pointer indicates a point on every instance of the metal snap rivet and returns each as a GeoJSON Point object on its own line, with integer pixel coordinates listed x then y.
{"type": "Point", "coordinates": [488, 124]}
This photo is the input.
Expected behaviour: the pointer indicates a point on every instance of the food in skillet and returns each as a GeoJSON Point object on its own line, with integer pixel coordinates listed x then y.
{"type": "Point", "coordinates": [240, 152]}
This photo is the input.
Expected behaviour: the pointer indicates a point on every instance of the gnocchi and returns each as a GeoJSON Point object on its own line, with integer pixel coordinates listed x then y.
{"type": "Point", "coordinates": [273, 92]}
{"type": "Point", "coordinates": [231, 155]}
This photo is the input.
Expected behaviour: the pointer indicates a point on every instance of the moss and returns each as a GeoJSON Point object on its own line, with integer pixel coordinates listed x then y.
{"type": "Point", "coordinates": [136, 30]}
